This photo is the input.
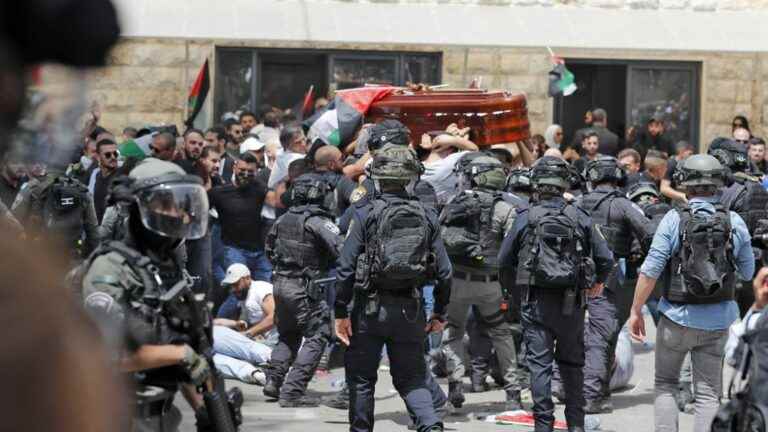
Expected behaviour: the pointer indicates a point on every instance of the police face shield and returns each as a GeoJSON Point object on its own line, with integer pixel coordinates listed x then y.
{"type": "Point", "coordinates": [175, 210]}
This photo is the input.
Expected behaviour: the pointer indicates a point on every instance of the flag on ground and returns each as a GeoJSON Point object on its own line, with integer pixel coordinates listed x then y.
{"type": "Point", "coordinates": [344, 115]}
{"type": "Point", "coordinates": [197, 94]}
{"type": "Point", "coordinates": [137, 147]}
{"type": "Point", "coordinates": [561, 80]}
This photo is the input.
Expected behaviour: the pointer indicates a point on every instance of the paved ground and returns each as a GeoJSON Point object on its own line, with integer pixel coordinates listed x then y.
{"type": "Point", "coordinates": [634, 407]}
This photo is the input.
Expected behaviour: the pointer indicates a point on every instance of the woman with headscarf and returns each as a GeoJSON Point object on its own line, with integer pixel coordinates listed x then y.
{"type": "Point", "coordinates": [553, 136]}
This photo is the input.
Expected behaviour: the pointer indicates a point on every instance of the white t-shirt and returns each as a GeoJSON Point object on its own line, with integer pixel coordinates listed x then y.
{"type": "Point", "coordinates": [252, 308]}
{"type": "Point", "coordinates": [441, 176]}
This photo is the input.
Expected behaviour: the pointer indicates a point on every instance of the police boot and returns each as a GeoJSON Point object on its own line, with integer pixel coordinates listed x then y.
{"type": "Point", "coordinates": [456, 393]}
{"type": "Point", "coordinates": [304, 401]}
{"type": "Point", "coordinates": [478, 383]}
{"type": "Point", "coordinates": [599, 406]}
{"type": "Point", "coordinates": [575, 429]}
{"type": "Point", "coordinates": [202, 421]}
{"type": "Point", "coordinates": [513, 402]}
{"type": "Point", "coordinates": [340, 400]}
{"type": "Point", "coordinates": [272, 386]}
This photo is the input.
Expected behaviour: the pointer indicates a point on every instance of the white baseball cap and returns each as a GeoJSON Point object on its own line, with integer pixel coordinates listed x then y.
{"type": "Point", "coordinates": [251, 144]}
{"type": "Point", "coordinates": [235, 272]}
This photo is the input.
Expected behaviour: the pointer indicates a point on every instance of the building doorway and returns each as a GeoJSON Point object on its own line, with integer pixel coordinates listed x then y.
{"type": "Point", "coordinates": [632, 92]}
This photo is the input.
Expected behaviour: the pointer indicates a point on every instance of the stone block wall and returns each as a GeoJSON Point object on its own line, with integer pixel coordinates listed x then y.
{"type": "Point", "coordinates": [147, 80]}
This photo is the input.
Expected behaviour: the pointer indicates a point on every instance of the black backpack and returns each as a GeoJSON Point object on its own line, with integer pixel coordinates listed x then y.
{"type": "Point", "coordinates": [62, 210]}
{"type": "Point", "coordinates": [703, 269]}
{"type": "Point", "coordinates": [398, 244]}
{"type": "Point", "coordinates": [747, 406]}
{"type": "Point", "coordinates": [556, 247]}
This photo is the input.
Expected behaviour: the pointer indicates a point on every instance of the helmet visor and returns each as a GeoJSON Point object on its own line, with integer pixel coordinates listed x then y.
{"type": "Point", "coordinates": [175, 210]}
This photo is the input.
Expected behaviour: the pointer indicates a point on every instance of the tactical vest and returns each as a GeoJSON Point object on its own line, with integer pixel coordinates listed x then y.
{"type": "Point", "coordinates": [600, 205]}
{"type": "Point", "coordinates": [61, 209]}
{"type": "Point", "coordinates": [479, 206]}
{"type": "Point", "coordinates": [702, 271]}
{"type": "Point", "coordinates": [295, 249]}
{"type": "Point", "coordinates": [655, 213]}
{"type": "Point", "coordinates": [754, 206]}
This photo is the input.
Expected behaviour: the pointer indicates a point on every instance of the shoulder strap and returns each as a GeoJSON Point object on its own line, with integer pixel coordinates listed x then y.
{"type": "Point", "coordinates": [143, 266]}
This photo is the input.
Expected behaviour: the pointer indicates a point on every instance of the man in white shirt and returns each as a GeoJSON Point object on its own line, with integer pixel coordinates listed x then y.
{"type": "Point", "coordinates": [243, 336]}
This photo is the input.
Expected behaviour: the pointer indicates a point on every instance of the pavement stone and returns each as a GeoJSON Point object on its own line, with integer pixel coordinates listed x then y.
{"type": "Point", "coordinates": [633, 406]}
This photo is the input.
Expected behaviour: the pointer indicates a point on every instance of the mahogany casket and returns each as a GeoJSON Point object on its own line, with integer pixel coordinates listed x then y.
{"type": "Point", "coordinates": [494, 117]}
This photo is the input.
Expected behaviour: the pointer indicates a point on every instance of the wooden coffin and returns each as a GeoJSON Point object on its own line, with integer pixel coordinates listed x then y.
{"type": "Point", "coordinates": [494, 117]}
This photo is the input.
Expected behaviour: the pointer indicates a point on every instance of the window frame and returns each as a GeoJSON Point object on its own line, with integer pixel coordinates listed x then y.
{"type": "Point", "coordinates": [695, 67]}
{"type": "Point", "coordinates": [330, 56]}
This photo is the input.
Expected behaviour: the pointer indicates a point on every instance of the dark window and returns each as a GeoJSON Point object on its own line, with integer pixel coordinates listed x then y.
{"type": "Point", "coordinates": [234, 81]}
{"type": "Point", "coordinates": [632, 92]}
{"type": "Point", "coordinates": [248, 78]}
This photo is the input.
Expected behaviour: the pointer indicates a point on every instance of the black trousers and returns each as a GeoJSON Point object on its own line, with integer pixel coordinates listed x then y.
{"type": "Point", "coordinates": [551, 336]}
{"type": "Point", "coordinates": [298, 317]}
{"type": "Point", "coordinates": [398, 326]}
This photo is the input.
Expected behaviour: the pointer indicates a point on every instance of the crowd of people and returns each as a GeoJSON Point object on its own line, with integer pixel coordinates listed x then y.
{"type": "Point", "coordinates": [460, 261]}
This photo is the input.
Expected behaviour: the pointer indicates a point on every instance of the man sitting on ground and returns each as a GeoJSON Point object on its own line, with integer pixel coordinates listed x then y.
{"type": "Point", "coordinates": [243, 332]}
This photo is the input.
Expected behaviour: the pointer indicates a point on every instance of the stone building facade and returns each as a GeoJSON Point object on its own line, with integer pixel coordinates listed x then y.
{"type": "Point", "coordinates": [153, 67]}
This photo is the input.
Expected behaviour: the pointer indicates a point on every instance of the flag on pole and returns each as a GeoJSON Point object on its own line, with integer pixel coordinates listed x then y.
{"type": "Point", "coordinates": [197, 94]}
{"type": "Point", "coordinates": [561, 80]}
{"type": "Point", "coordinates": [304, 107]}
{"type": "Point", "coordinates": [344, 115]}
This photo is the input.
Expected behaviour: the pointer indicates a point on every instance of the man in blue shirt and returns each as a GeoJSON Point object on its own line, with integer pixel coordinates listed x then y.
{"type": "Point", "coordinates": [697, 305]}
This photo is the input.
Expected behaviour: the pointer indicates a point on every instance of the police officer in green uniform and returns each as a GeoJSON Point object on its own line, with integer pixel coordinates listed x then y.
{"type": "Point", "coordinates": [303, 245]}
{"type": "Point", "coordinates": [389, 253]}
{"type": "Point", "coordinates": [123, 285]}
{"type": "Point", "coordinates": [473, 224]}
{"type": "Point", "coordinates": [59, 208]}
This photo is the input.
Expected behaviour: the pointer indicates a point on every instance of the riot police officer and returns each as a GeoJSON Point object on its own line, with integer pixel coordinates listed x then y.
{"type": "Point", "coordinates": [60, 209]}
{"type": "Point", "coordinates": [303, 245]}
{"type": "Point", "coordinates": [473, 225]}
{"type": "Point", "coordinates": [647, 196]}
{"type": "Point", "coordinates": [391, 250]}
{"type": "Point", "coordinates": [699, 250]}
{"type": "Point", "coordinates": [620, 221]}
{"type": "Point", "coordinates": [130, 288]}
{"type": "Point", "coordinates": [555, 254]}
{"type": "Point", "coordinates": [747, 197]}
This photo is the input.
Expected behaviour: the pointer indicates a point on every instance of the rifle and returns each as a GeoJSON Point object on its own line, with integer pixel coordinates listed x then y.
{"type": "Point", "coordinates": [185, 311]}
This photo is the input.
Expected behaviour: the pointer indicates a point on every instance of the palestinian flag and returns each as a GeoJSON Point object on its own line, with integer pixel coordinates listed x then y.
{"type": "Point", "coordinates": [137, 147]}
{"type": "Point", "coordinates": [561, 80]}
{"type": "Point", "coordinates": [304, 107]}
{"type": "Point", "coordinates": [344, 115]}
{"type": "Point", "coordinates": [197, 94]}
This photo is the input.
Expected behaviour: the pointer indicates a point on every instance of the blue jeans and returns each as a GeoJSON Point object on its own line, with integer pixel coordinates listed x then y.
{"type": "Point", "coordinates": [256, 261]}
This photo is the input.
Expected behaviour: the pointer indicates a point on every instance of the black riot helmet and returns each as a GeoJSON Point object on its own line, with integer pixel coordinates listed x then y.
{"type": "Point", "coordinates": [519, 180]}
{"type": "Point", "coordinates": [167, 204]}
{"type": "Point", "coordinates": [731, 154]}
{"type": "Point", "coordinates": [388, 132]}
{"type": "Point", "coordinates": [309, 189]}
{"type": "Point", "coordinates": [605, 169]}
{"type": "Point", "coordinates": [643, 191]}
{"type": "Point", "coordinates": [550, 174]}
{"type": "Point", "coordinates": [700, 172]}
